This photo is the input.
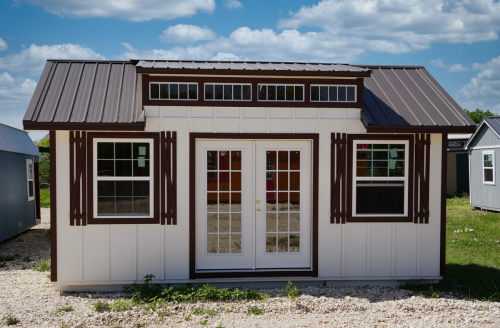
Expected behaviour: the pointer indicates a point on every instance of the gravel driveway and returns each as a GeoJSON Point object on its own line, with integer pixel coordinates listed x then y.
{"type": "Point", "coordinates": [29, 296]}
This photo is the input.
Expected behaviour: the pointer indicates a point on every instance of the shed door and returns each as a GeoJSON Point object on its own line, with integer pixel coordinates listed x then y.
{"type": "Point", "coordinates": [253, 205]}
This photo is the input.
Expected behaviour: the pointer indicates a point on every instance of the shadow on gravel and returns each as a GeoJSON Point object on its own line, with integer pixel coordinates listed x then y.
{"type": "Point", "coordinates": [26, 250]}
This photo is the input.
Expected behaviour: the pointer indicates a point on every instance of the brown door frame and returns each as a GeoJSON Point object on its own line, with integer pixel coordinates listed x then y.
{"type": "Point", "coordinates": [192, 204]}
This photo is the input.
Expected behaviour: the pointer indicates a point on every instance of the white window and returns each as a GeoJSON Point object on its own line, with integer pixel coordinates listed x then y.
{"type": "Point", "coordinates": [489, 167]}
{"type": "Point", "coordinates": [173, 91]}
{"type": "Point", "coordinates": [380, 178]}
{"type": "Point", "coordinates": [333, 93]}
{"type": "Point", "coordinates": [277, 92]}
{"type": "Point", "coordinates": [225, 91]}
{"type": "Point", "coordinates": [123, 178]}
{"type": "Point", "coordinates": [30, 179]}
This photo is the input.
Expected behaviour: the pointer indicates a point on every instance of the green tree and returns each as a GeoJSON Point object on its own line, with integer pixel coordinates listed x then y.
{"type": "Point", "coordinates": [44, 163]}
{"type": "Point", "coordinates": [478, 114]}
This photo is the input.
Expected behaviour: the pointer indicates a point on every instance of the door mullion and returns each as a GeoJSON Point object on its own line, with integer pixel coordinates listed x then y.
{"type": "Point", "coordinates": [254, 202]}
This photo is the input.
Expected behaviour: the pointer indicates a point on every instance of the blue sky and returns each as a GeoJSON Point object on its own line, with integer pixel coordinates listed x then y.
{"type": "Point", "coordinates": [456, 40]}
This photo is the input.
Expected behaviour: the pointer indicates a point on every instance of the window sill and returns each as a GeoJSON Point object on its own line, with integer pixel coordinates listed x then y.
{"type": "Point", "coordinates": [119, 220]}
{"type": "Point", "coordinates": [367, 219]}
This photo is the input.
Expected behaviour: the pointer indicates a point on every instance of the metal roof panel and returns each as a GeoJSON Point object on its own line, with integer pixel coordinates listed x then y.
{"type": "Point", "coordinates": [16, 141]}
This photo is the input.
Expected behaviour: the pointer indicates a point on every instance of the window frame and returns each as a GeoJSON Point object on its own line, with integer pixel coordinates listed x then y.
{"type": "Point", "coordinates": [353, 140]}
{"type": "Point", "coordinates": [231, 84]}
{"type": "Point", "coordinates": [334, 85]}
{"type": "Point", "coordinates": [178, 83]}
{"type": "Point", "coordinates": [285, 85]}
{"type": "Point", "coordinates": [149, 137]}
{"type": "Point", "coordinates": [28, 180]}
{"type": "Point", "coordinates": [492, 153]}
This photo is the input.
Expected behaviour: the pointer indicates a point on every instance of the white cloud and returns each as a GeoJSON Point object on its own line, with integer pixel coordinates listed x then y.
{"type": "Point", "coordinates": [400, 26]}
{"type": "Point", "coordinates": [3, 45]}
{"type": "Point", "coordinates": [176, 53]}
{"type": "Point", "coordinates": [233, 4]}
{"type": "Point", "coordinates": [32, 60]}
{"type": "Point", "coordinates": [182, 33]}
{"type": "Point", "coordinates": [133, 10]}
{"type": "Point", "coordinates": [437, 62]}
{"type": "Point", "coordinates": [454, 68]}
{"type": "Point", "coordinates": [15, 92]}
{"type": "Point", "coordinates": [485, 86]}
{"type": "Point", "coordinates": [225, 56]}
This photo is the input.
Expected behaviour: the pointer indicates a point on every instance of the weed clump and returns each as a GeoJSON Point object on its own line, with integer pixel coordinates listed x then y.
{"type": "Point", "coordinates": [44, 266]}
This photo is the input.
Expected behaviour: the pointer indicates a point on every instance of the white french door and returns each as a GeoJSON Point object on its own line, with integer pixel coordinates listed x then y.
{"type": "Point", "coordinates": [253, 205]}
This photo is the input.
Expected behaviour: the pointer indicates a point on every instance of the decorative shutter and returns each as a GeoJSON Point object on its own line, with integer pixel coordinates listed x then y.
{"type": "Point", "coordinates": [421, 178]}
{"type": "Point", "coordinates": [169, 177]}
{"type": "Point", "coordinates": [338, 184]}
{"type": "Point", "coordinates": [78, 178]}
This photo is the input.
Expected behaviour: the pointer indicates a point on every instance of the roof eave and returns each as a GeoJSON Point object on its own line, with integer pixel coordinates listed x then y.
{"type": "Point", "coordinates": [68, 126]}
{"type": "Point", "coordinates": [141, 70]}
{"type": "Point", "coordinates": [418, 129]}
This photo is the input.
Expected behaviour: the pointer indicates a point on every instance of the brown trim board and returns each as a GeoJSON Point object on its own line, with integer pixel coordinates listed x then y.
{"type": "Point", "coordinates": [192, 203]}
{"type": "Point", "coordinates": [53, 206]}
{"type": "Point", "coordinates": [147, 79]}
{"type": "Point", "coordinates": [90, 181]}
{"type": "Point", "coordinates": [350, 143]}
{"type": "Point", "coordinates": [444, 165]}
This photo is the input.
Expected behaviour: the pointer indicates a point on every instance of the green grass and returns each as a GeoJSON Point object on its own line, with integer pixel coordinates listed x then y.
{"type": "Point", "coordinates": [45, 198]}
{"type": "Point", "coordinates": [64, 309]}
{"type": "Point", "coordinates": [472, 253]}
{"type": "Point", "coordinates": [255, 311]}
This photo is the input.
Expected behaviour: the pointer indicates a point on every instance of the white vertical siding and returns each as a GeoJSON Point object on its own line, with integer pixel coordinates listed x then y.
{"type": "Point", "coordinates": [126, 253]}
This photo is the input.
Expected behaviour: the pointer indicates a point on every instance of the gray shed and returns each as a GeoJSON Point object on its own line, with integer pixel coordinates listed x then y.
{"type": "Point", "coordinates": [19, 181]}
{"type": "Point", "coordinates": [484, 159]}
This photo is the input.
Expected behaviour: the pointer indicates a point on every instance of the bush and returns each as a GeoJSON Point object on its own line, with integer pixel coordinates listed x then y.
{"type": "Point", "coordinates": [44, 266]}
{"type": "Point", "coordinates": [153, 293]}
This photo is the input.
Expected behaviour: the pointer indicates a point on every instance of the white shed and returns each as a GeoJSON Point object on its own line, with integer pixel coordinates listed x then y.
{"type": "Point", "coordinates": [244, 172]}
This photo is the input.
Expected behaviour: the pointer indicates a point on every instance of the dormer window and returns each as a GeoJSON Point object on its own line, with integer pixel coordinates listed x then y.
{"type": "Point", "coordinates": [173, 91]}
{"type": "Point", "coordinates": [333, 93]}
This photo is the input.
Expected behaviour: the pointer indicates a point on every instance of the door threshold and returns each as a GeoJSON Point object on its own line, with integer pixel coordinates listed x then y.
{"type": "Point", "coordinates": [252, 270]}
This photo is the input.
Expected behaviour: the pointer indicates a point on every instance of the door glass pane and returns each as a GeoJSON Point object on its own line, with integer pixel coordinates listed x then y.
{"type": "Point", "coordinates": [282, 242]}
{"type": "Point", "coordinates": [212, 243]}
{"type": "Point", "coordinates": [235, 222]}
{"type": "Point", "coordinates": [282, 160]}
{"type": "Point", "coordinates": [224, 216]}
{"type": "Point", "coordinates": [286, 201]}
{"type": "Point", "coordinates": [212, 225]}
{"type": "Point", "coordinates": [224, 243]}
{"type": "Point", "coordinates": [235, 243]}
{"type": "Point", "coordinates": [271, 222]}
{"type": "Point", "coordinates": [283, 180]}
{"type": "Point", "coordinates": [224, 222]}
{"type": "Point", "coordinates": [271, 242]}
{"type": "Point", "coordinates": [283, 222]}
{"type": "Point", "coordinates": [236, 160]}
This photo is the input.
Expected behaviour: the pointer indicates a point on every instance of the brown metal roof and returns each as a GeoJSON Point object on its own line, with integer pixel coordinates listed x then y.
{"type": "Point", "coordinates": [408, 96]}
{"type": "Point", "coordinates": [248, 65]}
{"type": "Point", "coordinates": [93, 93]}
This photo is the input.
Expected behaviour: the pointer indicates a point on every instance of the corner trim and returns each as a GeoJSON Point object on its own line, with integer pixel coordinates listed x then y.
{"type": "Point", "coordinates": [53, 206]}
{"type": "Point", "coordinates": [444, 165]}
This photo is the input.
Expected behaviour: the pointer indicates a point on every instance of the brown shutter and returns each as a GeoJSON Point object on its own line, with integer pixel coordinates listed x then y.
{"type": "Point", "coordinates": [169, 177]}
{"type": "Point", "coordinates": [338, 185]}
{"type": "Point", "coordinates": [77, 178]}
{"type": "Point", "coordinates": [421, 178]}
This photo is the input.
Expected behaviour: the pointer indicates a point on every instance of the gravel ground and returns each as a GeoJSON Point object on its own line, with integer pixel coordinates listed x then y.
{"type": "Point", "coordinates": [30, 297]}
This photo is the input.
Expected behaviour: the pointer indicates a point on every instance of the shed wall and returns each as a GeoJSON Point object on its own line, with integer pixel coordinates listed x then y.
{"type": "Point", "coordinates": [483, 195]}
{"type": "Point", "coordinates": [485, 138]}
{"type": "Point", "coordinates": [117, 254]}
{"type": "Point", "coordinates": [16, 212]}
